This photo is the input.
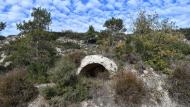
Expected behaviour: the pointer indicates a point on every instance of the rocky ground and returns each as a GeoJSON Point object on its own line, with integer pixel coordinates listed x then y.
{"type": "Point", "coordinates": [103, 96]}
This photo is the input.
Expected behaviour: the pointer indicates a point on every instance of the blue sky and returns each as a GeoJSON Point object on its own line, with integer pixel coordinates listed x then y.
{"type": "Point", "coordinates": [77, 15]}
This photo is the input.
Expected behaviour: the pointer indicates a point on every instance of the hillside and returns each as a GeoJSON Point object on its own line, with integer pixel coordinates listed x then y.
{"type": "Point", "coordinates": [108, 68]}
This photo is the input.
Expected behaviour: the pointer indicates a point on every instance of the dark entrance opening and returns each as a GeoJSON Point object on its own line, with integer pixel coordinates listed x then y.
{"type": "Point", "coordinates": [95, 71]}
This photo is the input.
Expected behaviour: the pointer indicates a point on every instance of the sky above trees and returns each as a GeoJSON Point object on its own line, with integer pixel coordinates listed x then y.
{"type": "Point", "coordinates": [77, 15]}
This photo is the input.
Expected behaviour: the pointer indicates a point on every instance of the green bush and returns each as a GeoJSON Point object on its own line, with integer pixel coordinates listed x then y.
{"type": "Point", "coordinates": [64, 72]}
{"type": "Point", "coordinates": [15, 90]}
{"type": "Point", "coordinates": [78, 92]}
{"type": "Point", "coordinates": [129, 89]}
{"type": "Point", "coordinates": [158, 63]}
{"type": "Point", "coordinates": [182, 47]}
{"type": "Point", "coordinates": [38, 72]}
{"type": "Point", "coordinates": [35, 51]}
{"type": "Point", "coordinates": [69, 87]}
{"type": "Point", "coordinates": [75, 93]}
{"type": "Point", "coordinates": [70, 45]}
{"type": "Point", "coordinates": [19, 52]}
{"type": "Point", "coordinates": [70, 34]}
{"type": "Point", "coordinates": [49, 92]}
{"type": "Point", "coordinates": [120, 49]}
{"type": "Point", "coordinates": [158, 49]}
{"type": "Point", "coordinates": [156, 42]}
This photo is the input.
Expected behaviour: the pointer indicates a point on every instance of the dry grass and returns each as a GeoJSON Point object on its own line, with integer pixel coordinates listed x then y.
{"type": "Point", "coordinates": [129, 89]}
{"type": "Point", "coordinates": [180, 84]}
{"type": "Point", "coordinates": [76, 57]}
{"type": "Point", "coordinates": [15, 90]}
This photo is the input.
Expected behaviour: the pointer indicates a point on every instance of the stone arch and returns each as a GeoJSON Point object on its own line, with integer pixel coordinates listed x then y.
{"type": "Point", "coordinates": [94, 61]}
{"type": "Point", "coordinates": [95, 70]}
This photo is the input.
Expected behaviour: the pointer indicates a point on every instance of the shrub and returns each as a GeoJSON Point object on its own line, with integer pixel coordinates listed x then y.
{"type": "Point", "coordinates": [67, 45]}
{"type": "Point", "coordinates": [48, 92]}
{"type": "Point", "coordinates": [158, 49]}
{"type": "Point", "coordinates": [120, 49]}
{"type": "Point", "coordinates": [65, 95]}
{"type": "Point", "coordinates": [2, 69]}
{"type": "Point", "coordinates": [180, 88]}
{"type": "Point", "coordinates": [69, 87]}
{"type": "Point", "coordinates": [38, 72]}
{"type": "Point", "coordinates": [19, 52]}
{"type": "Point", "coordinates": [75, 93]}
{"type": "Point", "coordinates": [158, 63]}
{"type": "Point", "coordinates": [35, 51]}
{"type": "Point", "coordinates": [63, 73]}
{"type": "Point", "coordinates": [156, 42]}
{"type": "Point", "coordinates": [70, 34]}
{"type": "Point", "coordinates": [76, 57]}
{"type": "Point", "coordinates": [129, 89]}
{"type": "Point", "coordinates": [182, 47]}
{"type": "Point", "coordinates": [70, 45]}
{"type": "Point", "coordinates": [133, 58]}
{"type": "Point", "coordinates": [15, 90]}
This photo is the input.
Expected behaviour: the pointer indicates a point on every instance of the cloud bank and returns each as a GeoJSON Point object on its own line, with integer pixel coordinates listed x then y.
{"type": "Point", "coordinates": [77, 15]}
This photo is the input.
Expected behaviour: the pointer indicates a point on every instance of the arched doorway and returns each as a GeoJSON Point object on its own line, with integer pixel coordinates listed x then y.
{"type": "Point", "coordinates": [95, 70]}
{"type": "Point", "coordinates": [92, 63]}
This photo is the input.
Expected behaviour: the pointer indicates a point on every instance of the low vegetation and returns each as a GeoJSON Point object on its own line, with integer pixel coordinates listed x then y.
{"type": "Point", "coordinates": [68, 45]}
{"type": "Point", "coordinates": [35, 50]}
{"type": "Point", "coordinates": [186, 32]}
{"type": "Point", "coordinates": [36, 54]}
{"type": "Point", "coordinates": [179, 82]}
{"type": "Point", "coordinates": [69, 87]}
{"type": "Point", "coordinates": [76, 57]}
{"type": "Point", "coordinates": [129, 89]}
{"type": "Point", "coordinates": [156, 46]}
{"type": "Point", "coordinates": [15, 89]}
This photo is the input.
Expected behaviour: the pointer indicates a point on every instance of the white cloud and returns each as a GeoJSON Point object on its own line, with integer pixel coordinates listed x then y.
{"type": "Point", "coordinates": [26, 3]}
{"type": "Point", "coordinates": [134, 3]}
{"type": "Point", "coordinates": [93, 4]}
{"type": "Point", "coordinates": [183, 2]}
{"type": "Point", "coordinates": [62, 5]}
{"type": "Point", "coordinates": [156, 2]}
{"type": "Point", "coordinates": [79, 7]}
{"type": "Point", "coordinates": [77, 16]}
{"type": "Point", "coordinates": [11, 2]}
{"type": "Point", "coordinates": [168, 1]}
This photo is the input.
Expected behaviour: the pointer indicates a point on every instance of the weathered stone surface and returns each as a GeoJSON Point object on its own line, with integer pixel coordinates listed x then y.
{"type": "Point", "coordinates": [109, 64]}
{"type": "Point", "coordinates": [67, 40]}
{"type": "Point", "coordinates": [3, 56]}
{"type": "Point", "coordinates": [40, 101]}
{"type": "Point", "coordinates": [102, 96]}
